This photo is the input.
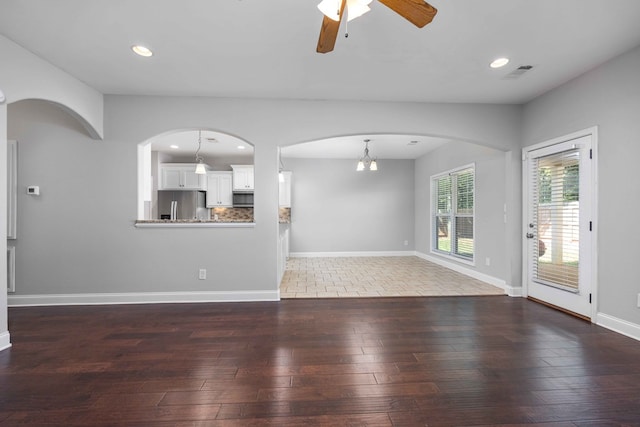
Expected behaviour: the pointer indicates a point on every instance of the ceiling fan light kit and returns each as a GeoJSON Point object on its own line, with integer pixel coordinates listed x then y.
{"type": "Point", "coordinates": [355, 8]}
{"type": "Point", "coordinates": [418, 12]}
{"type": "Point", "coordinates": [142, 50]}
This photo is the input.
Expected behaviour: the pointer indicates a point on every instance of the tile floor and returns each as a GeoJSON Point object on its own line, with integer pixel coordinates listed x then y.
{"type": "Point", "coordinates": [376, 277]}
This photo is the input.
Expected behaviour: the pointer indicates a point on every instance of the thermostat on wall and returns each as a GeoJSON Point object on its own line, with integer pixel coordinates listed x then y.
{"type": "Point", "coordinates": [34, 190]}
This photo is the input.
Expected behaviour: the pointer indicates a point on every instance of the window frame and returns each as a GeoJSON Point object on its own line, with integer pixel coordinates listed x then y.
{"type": "Point", "coordinates": [453, 213]}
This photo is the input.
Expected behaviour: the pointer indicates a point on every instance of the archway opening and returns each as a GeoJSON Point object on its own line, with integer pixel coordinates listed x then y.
{"type": "Point", "coordinates": [373, 227]}
{"type": "Point", "coordinates": [168, 162]}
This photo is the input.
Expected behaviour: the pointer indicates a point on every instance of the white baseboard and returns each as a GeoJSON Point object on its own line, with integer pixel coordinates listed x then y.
{"type": "Point", "coordinates": [141, 298]}
{"type": "Point", "coordinates": [350, 254]}
{"type": "Point", "coordinates": [511, 291]}
{"type": "Point", "coordinates": [620, 326]}
{"type": "Point", "coordinates": [5, 341]}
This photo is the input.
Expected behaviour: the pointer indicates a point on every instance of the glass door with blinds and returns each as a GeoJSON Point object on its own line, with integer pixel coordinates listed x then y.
{"type": "Point", "coordinates": [559, 226]}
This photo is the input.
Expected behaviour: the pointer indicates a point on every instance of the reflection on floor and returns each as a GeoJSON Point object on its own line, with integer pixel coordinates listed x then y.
{"type": "Point", "coordinates": [376, 277]}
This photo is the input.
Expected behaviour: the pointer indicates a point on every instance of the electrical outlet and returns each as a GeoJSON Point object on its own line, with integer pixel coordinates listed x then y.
{"type": "Point", "coordinates": [487, 261]}
{"type": "Point", "coordinates": [202, 274]}
{"type": "Point", "coordinates": [638, 300]}
{"type": "Point", "coordinates": [406, 243]}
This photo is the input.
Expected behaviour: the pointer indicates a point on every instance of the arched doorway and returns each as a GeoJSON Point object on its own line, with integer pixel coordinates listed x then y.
{"type": "Point", "coordinates": [176, 154]}
{"type": "Point", "coordinates": [368, 232]}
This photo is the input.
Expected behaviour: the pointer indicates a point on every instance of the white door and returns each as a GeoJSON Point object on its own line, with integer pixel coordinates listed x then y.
{"type": "Point", "coordinates": [559, 223]}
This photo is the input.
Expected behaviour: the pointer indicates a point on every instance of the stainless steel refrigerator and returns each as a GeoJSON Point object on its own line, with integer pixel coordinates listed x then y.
{"type": "Point", "coordinates": [176, 205]}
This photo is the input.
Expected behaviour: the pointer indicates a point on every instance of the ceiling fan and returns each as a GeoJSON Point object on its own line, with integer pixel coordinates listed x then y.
{"type": "Point", "coordinates": [418, 12]}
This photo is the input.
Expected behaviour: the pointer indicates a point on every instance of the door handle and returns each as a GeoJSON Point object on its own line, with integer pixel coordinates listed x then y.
{"type": "Point", "coordinates": [529, 235]}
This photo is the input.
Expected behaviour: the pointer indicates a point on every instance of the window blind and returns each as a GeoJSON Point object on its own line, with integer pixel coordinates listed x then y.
{"type": "Point", "coordinates": [556, 219]}
{"type": "Point", "coordinates": [454, 212]}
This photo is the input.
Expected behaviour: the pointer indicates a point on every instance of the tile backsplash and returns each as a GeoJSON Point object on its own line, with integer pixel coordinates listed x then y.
{"type": "Point", "coordinates": [245, 214]}
{"type": "Point", "coordinates": [233, 214]}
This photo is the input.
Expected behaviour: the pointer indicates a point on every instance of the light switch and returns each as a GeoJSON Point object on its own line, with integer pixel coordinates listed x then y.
{"type": "Point", "coordinates": [33, 190]}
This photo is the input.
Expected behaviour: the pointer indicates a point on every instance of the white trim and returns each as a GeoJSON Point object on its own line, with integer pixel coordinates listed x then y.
{"type": "Point", "coordinates": [594, 216]}
{"type": "Point", "coordinates": [350, 254]}
{"type": "Point", "coordinates": [11, 268]}
{"type": "Point", "coordinates": [141, 298]}
{"type": "Point", "coordinates": [565, 138]}
{"type": "Point", "coordinates": [455, 258]}
{"type": "Point", "coordinates": [434, 207]}
{"type": "Point", "coordinates": [5, 341]}
{"type": "Point", "coordinates": [12, 189]}
{"type": "Point", "coordinates": [513, 292]}
{"type": "Point", "coordinates": [620, 326]}
{"type": "Point", "coordinates": [471, 165]}
{"type": "Point", "coordinates": [593, 132]}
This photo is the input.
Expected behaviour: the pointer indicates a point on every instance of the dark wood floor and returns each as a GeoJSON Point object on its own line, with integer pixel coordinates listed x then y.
{"type": "Point", "coordinates": [337, 362]}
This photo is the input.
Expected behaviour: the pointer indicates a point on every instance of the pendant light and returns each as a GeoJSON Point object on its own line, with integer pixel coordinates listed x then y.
{"type": "Point", "coordinates": [200, 169]}
{"type": "Point", "coordinates": [366, 162]}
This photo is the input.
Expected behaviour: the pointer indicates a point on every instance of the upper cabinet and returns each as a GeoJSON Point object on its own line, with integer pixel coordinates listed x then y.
{"type": "Point", "coordinates": [243, 177]}
{"type": "Point", "coordinates": [181, 176]}
{"type": "Point", "coordinates": [285, 190]}
{"type": "Point", "coordinates": [219, 189]}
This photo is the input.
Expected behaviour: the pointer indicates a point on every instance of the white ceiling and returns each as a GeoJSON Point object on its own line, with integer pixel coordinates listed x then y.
{"type": "Point", "coordinates": [212, 143]}
{"type": "Point", "coordinates": [352, 147]}
{"type": "Point", "coordinates": [216, 144]}
{"type": "Point", "coordinates": [266, 48]}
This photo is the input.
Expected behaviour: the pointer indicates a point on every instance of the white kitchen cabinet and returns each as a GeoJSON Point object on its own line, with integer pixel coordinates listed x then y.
{"type": "Point", "coordinates": [181, 176]}
{"type": "Point", "coordinates": [285, 190]}
{"type": "Point", "coordinates": [243, 179]}
{"type": "Point", "coordinates": [219, 189]}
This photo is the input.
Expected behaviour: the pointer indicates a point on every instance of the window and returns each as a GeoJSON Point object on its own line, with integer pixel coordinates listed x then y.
{"type": "Point", "coordinates": [453, 212]}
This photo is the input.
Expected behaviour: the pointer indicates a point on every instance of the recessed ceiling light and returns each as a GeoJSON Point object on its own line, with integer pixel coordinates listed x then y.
{"type": "Point", "coordinates": [241, 147]}
{"type": "Point", "coordinates": [142, 50]}
{"type": "Point", "coordinates": [500, 62]}
{"type": "Point", "coordinates": [175, 147]}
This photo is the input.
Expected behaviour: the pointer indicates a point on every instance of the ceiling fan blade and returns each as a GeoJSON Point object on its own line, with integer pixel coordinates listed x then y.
{"type": "Point", "coordinates": [329, 32]}
{"type": "Point", "coordinates": [418, 12]}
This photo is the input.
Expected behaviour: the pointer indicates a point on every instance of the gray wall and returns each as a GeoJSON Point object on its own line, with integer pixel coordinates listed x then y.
{"type": "Point", "coordinates": [336, 209]}
{"type": "Point", "coordinates": [607, 97]}
{"type": "Point", "coordinates": [78, 237]}
{"type": "Point", "coordinates": [490, 193]}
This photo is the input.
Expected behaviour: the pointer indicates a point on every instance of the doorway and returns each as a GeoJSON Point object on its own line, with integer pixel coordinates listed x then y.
{"type": "Point", "coordinates": [559, 214]}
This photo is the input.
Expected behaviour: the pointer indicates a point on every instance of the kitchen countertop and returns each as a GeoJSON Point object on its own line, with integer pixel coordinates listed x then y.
{"type": "Point", "coordinates": [192, 223]}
